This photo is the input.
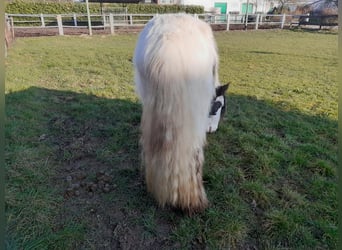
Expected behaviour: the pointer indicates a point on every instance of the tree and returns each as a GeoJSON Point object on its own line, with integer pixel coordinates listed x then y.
{"type": "Point", "coordinates": [283, 5]}
{"type": "Point", "coordinates": [323, 6]}
{"type": "Point", "coordinates": [310, 4]}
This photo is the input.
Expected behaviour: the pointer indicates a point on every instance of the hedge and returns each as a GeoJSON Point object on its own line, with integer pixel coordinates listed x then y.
{"type": "Point", "coordinates": [154, 8]}
{"type": "Point", "coordinates": [24, 7]}
{"type": "Point", "coordinates": [21, 7]}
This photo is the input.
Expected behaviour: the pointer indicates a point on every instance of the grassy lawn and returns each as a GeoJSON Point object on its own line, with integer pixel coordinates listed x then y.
{"type": "Point", "coordinates": [73, 157]}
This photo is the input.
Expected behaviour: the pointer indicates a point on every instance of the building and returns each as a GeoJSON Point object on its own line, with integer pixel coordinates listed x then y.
{"type": "Point", "coordinates": [228, 6]}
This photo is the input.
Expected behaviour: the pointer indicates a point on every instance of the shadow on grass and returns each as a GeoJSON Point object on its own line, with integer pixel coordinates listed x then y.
{"type": "Point", "coordinates": [87, 154]}
{"type": "Point", "coordinates": [265, 52]}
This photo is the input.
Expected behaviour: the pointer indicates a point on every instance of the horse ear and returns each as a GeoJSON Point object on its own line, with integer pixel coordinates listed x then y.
{"type": "Point", "coordinates": [220, 90]}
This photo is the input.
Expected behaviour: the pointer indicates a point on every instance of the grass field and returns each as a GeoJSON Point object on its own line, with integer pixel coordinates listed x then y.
{"type": "Point", "coordinates": [73, 157]}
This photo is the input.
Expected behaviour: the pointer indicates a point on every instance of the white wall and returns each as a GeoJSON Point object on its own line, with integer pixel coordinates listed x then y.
{"type": "Point", "coordinates": [233, 5]}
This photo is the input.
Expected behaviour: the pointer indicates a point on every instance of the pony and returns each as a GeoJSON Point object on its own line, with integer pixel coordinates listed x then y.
{"type": "Point", "coordinates": [176, 75]}
{"type": "Point", "coordinates": [218, 108]}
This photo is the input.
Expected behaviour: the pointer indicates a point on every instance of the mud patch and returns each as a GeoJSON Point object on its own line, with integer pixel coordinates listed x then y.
{"type": "Point", "coordinates": [98, 173]}
{"type": "Point", "coordinates": [115, 217]}
{"type": "Point", "coordinates": [113, 206]}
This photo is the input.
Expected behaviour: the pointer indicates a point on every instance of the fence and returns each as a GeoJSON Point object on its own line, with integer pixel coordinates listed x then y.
{"type": "Point", "coordinates": [249, 21]}
{"type": "Point", "coordinates": [112, 21]}
{"type": "Point", "coordinates": [9, 34]}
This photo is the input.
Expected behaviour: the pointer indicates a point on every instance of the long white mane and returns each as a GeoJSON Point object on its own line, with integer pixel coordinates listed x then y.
{"type": "Point", "coordinates": [176, 66]}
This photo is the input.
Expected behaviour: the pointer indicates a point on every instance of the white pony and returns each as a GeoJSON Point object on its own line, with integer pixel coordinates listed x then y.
{"type": "Point", "coordinates": [176, 73]}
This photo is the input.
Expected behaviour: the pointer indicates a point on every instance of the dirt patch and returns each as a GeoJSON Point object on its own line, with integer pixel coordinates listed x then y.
{"type": "Point", "coordinates": [93, 197]}
{"type": "Point", "coordinates": [98, 173]}
{"type": "Point", "coordinates": [39, 31]}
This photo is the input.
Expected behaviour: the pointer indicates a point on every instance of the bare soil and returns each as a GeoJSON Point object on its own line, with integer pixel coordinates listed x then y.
{"type": "Point", "coordinates": [39, 31]}
{"type": "Point", "coordinates": [108, 198]}
{"type": "Point", "coordinates": [109, 224]}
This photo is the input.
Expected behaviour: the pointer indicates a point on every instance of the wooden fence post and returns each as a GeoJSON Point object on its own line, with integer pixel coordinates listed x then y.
{"type": "Point", "coordinates": [42, 19]}
{"type": "Point", "coordinates": [283, 21]}
{"type": "Point", "coordinates": [60, 25]}
{"type": "Point", "coordinates": [75, 19]}
{"type": "Point", "coordinates": [12, 26]}
{"type": "Point", "coordinates": [228, 21]}
{"type": "Point", "coordinates": [246, 21]}
{"type": "Point", "coordinates": [131, 19]}
{"type": "Point", "coordinates": [261, 17]}
{"type": "Point", "coordinates": [6, 35]}
{"type": "Point", "coordinates": [111, 23]}
{"type": "Point", "coordinates": [257, 21]}
{"type": "Point", "coordinates": [104, 20]}
{"type": "Point", "coordinates": [9, 33]}
{"type": "Point", "coordinates": [89, 19]}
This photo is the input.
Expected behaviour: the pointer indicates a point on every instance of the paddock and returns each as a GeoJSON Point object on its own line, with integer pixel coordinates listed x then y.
{"type": "Point", "coordinates": [73, 178]}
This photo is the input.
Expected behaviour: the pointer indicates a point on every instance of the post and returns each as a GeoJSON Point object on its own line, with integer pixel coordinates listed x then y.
{"type": "Point", "coordinates": [60, 25]}
{"type": "Point", "coordinates": [246, 16]}
{"type": "Point", "coordinates": [42, 19]}
{"type": "Point", "coordinates": [104, 20]}
{"type": "Point", "coordinates": [246, 21]}
{"type": "Point", "coordinates": [228, 21]}
{"type": "Point", "coordinates": [283, 21]}
{"type": "Point", "coordinates": [257, 21]}
{"type": "Point", "coordinates": [89, 21]}
{"type": "Point", "coordinates": [111, 23]}
{"type": "Point", "coordinates": [75, 20]}
{"type": "Point", "coordinates": [130, 19]}
{"type": "Point", "coordinates": [12, 26]}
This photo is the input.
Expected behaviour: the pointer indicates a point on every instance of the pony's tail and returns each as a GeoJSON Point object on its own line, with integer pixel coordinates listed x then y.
{"type": "Point", "coordinates": [175, 73]}
{"type": "Point", "coordinates": [173, 150]}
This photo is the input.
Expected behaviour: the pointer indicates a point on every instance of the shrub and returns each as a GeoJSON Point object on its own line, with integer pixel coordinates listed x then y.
{"type": "Point", "coordinates": [24, 7]}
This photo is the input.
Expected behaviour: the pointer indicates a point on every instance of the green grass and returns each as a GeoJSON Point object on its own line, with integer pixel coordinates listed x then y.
{"type": "Point", "coordinates": [270, 171]}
